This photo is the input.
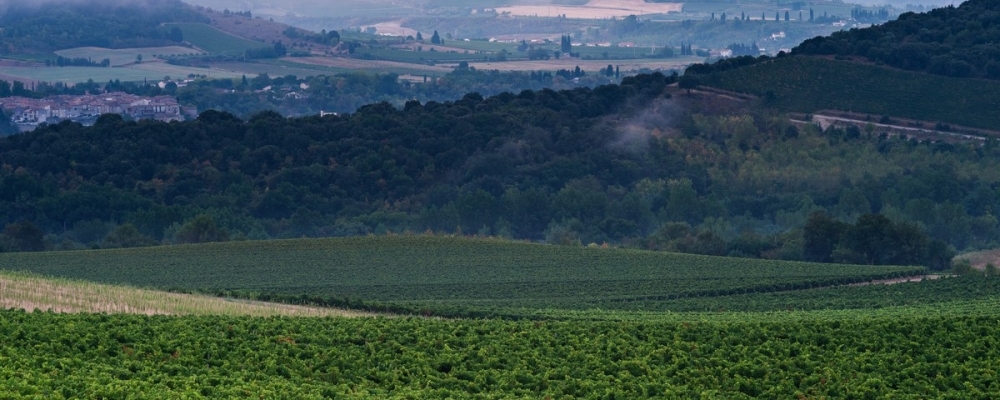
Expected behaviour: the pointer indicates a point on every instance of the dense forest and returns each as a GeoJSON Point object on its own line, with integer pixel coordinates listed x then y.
{"type": "Point", "coordinates": [624, 164]}
{"type": "Point", "coordinates": [39, 27]}
{"type": "Point", "coordinates": [959, 41]}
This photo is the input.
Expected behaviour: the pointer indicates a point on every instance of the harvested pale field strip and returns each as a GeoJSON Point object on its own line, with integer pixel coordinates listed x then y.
{"type": "Point", "coordinates": [33, 292]}
{"type": "Point", "coordinates": [596, 9]}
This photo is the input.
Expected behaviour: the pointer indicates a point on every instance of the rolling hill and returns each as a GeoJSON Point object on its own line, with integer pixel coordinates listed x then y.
{"type": "Point", "coordinates": [934, 66]}
{"type": "Point", "coordinates": [442, 274]}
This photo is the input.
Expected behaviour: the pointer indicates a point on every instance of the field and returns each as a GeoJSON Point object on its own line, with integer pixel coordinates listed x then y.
{"type": "Point", "coordinates": [912, 353]}
{"type": "Point", "coordinates": [281, 67]}
{"type": "Point", "coordinates": [594, 9]}
{"type": "Point", "coordinates": [373, 65]}
{"type": "Point", "coordinates": [932, 339]}
{"type": "Point", "coordinates": [212, 40]}
{"type": "Point", "coordinates": [32, 292]}
{"type": "Point", "coordinates": [449, 275]}
{"type": "Point", "coordinates": [807, 84]}
{"type": "Point", "coordinates": [153, 71]}
{"type": "Point", "coordinates": [125, 56]}
{"type": "Point", "coordinates": [421, 57]}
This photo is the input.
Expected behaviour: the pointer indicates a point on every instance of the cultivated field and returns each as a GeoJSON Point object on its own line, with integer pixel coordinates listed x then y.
{"type": "Point", "coordinates": [212, 40]}
{"type": "Point", "coordinates": [372, 65]}
{"type": "Point", "coordinates": [595, 9]}
{"type": "Point", "coordinates": [447, 274]}
{"type": "Point", "coordinates": [152, 71]}
{"type": "Point", "coordinates": [933, 339]}
{"type": "Point", "coordinates": [33, 292]}
{"type": "Point", "coordinates": [808, 84]}
{"type": "Point", "coordinates": [126, 56]}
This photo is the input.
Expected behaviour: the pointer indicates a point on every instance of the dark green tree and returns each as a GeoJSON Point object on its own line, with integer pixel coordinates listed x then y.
{"type": "Point", "coordinates": [201, 229]}
{"type": "Point", "coordinates": [22, 236]}
{"type": "Point", "coordinates": [127, 235]}
{"type": "Point", "coordinates": [688, 82]}
{"type": "Point", "coordinates": [821, 235]}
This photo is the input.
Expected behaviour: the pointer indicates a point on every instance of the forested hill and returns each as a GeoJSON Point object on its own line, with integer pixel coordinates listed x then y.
{"type": "Point", "coordinates": [624, 164]}
{"type": "Point", "coordinates": [39, 27]}
{"type": "Point", "coordinates": [961, 41]}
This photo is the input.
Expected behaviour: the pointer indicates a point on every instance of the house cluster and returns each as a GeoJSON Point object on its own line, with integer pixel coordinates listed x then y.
{"type": "Point", "coordinates": [27, 113]}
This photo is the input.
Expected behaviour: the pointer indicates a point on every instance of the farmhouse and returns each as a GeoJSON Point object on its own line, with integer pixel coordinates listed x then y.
{"type": "Point", "coordinates": [27, 113]}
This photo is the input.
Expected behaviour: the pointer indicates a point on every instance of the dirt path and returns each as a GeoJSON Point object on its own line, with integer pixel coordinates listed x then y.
{"type": "Point", "coordinates": [827, 120]}
{"type": "Point", "coordinates": [894, 281]}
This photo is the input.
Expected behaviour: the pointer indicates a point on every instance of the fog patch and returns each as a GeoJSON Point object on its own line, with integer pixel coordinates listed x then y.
{"type": "Point", "coordinates": [633, 133]}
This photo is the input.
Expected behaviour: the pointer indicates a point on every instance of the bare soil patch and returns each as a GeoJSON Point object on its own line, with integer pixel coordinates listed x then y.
{"type": "Point", "coordinates": [394, 28]}
{"type": "Point", "coordinates": [979, 259]}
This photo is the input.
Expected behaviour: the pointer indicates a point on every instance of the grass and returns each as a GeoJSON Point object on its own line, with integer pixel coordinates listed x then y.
{"type": "Point", "coordinates": [33, 292]}
{"type": "Point", "coordinates": [439, 272]}
{"type": "Point", "coordinates": [808, 84]}
{"type": "Point", "coordinates": [213, 40]}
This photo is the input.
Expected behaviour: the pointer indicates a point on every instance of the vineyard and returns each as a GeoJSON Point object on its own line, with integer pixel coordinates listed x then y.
{"type": "Point", "coordinates": [587, 323]}
{"type": "Point", "coordinates": [927, 292]}
{"type": "Point", "coordinates": [448, 276]}
{"type": "Point", "coordinates": [213, 40]}
{"type": "Point", "coordinates": [807, 84]}
{"type": "Point", "coordinates": [102, 356]}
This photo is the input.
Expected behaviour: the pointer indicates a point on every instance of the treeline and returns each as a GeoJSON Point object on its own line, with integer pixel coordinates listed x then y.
{"type": "Point", "coordinates": [330, 38]}
{"type": "Point", "coordinates": [276, 50]}
{"type": "Point", "coordinates": [341, 93]}
{"type": "Point", "coordinates": [961, 41]}
{"type": "Point", "coordinates": [38, 27]}
{"type": "Point", "coordinates": [346, 92]}
{"type": "Point", "coordinates": [572, 167]}
{"type": "Point", "coordinates": [77, 62]}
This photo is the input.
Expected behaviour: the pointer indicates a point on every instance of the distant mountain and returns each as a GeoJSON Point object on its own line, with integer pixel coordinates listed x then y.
{"type": "Point", "coordinates": [959, 41]}
{"type": "Point", "coordinates": [41, 27]}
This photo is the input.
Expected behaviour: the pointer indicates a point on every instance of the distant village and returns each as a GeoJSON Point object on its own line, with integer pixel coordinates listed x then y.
{"type": "Point", "coordinates": [28, 113]}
